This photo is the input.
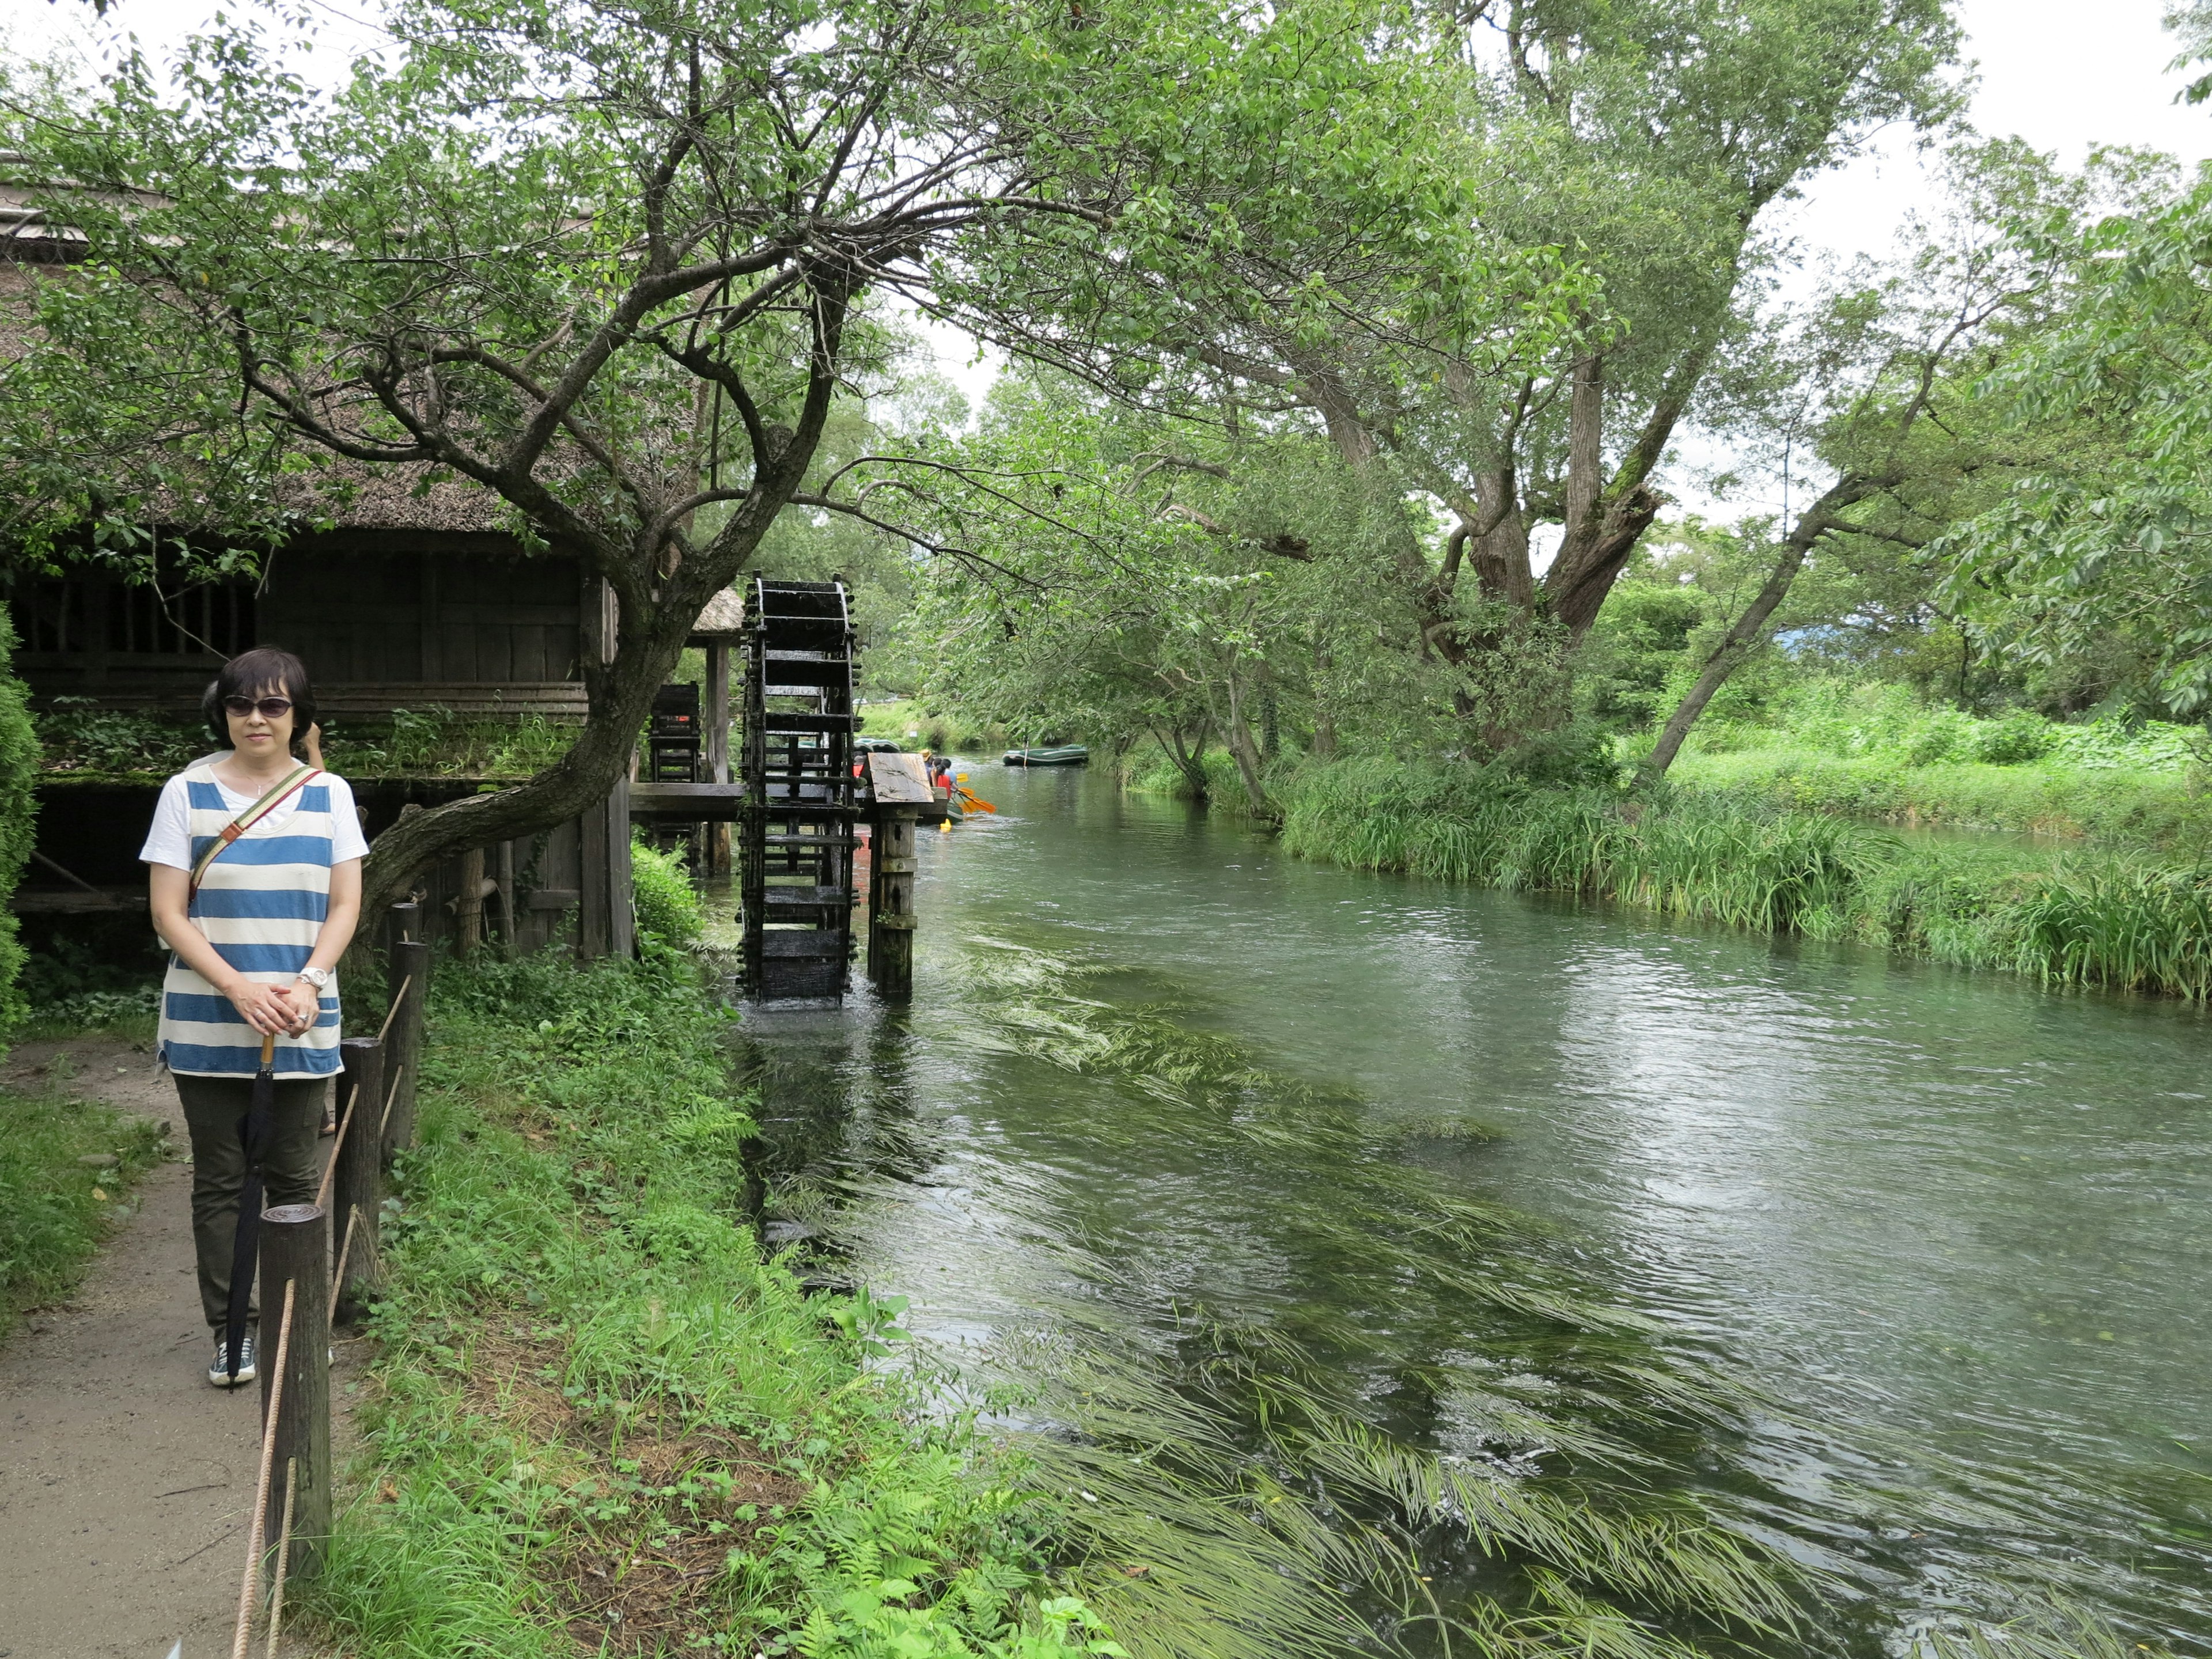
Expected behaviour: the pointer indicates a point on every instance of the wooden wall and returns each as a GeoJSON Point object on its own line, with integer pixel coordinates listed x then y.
{"type": "Point", "coordinates": [360, 609]}
{"type": "Point", "coordinates": [372, 613]}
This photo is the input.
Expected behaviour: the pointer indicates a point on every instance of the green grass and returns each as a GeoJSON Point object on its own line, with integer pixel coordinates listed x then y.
{"type": "Point", "coordinates": [91, 745]}
{"type": "Point", "coordinates": [2171, 810]}
{"type": "Point", "coordinates": [55, 1209]}
{"type": "Point", "coordinates": [595, 1397]}
{"type": "Point", "coordinates": [667, 903]}
{"type": "Point", "coordinates": [906, 722]}
{"type": "Point", "coordinates": [2087, 918]}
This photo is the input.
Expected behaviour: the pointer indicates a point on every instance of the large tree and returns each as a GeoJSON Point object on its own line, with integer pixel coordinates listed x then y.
{"type": "Point", "coordinates": [1638, 143]}
{"type": "Point", "coordinates": [608, 264]}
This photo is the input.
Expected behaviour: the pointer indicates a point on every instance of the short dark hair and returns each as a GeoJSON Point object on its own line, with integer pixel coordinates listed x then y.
{"type": "Point", "coordinates": [249, 674]}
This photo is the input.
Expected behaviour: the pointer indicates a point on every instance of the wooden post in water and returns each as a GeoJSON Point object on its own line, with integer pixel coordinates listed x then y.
{"type": "Point", "coordinates": [901, 788]}
{"type": "Point", "coordinates": [356, 1187]}
{"type": "Point", "coordinates": [890, 904]}
{"type": "Point", "coordinates": [294, 1252]}
{"type": "Point", "coordinates": [408, 966]}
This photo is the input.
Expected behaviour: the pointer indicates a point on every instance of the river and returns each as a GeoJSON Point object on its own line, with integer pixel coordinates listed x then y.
{"type": "Point", "coordinates": [1909, 1265]}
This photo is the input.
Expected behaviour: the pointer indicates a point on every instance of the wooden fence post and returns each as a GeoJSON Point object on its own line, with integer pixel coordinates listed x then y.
{"type": "Point", "coordinates": [404, 920]}
{"type": "Point", "coordinates": [409, 964]}
{"type": "Point", "coordinates": [468, 913]}
{"type": "Point", "coordinates": [294, 1252]}
{"type": "Point", "coordinates": [357, 1189]}
{"type": "Point", "coordinates": [890, 904]}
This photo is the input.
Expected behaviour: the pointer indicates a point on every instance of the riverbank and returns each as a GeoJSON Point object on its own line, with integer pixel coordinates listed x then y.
{"type": "Point", "coordinates": [600, 1416]}
{"type": "Point", "coordinates": [2084, 915]}
{"type": "Point", "coordinates": [2169, 812]}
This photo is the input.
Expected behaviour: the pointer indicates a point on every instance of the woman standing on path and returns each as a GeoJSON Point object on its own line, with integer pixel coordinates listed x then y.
{"type": "Point", "coordinates": [255, 879]}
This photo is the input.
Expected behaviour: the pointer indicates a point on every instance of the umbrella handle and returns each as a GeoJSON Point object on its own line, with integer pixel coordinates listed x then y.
{"type": "Point", "coordinates": [268, 1049]}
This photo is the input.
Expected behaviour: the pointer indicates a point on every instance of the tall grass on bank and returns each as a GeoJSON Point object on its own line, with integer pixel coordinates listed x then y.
{"type": "Point", "coordinates": [601, 1421]}
{"type": "Point", "coordinates": [56, 1207]}
{"type": "Point", "coordinates": [1875, 750]}
{"type": "Point", "coordinates": [2083, 919]}
{"type": "Point", "coordinates": [2171, 810]}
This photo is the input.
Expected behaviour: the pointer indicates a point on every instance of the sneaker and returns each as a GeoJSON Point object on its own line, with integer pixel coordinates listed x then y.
{"type": "Point", "coordinates": [219, 1372]}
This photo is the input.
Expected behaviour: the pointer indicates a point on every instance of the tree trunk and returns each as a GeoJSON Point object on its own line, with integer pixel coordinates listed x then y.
{"type": "Point", "coordinates": [1236, 734]}
{"type": "Point", "coordinates": [1592, 556]}
{"type": "Point", "coordinates": [1191, 763]}
{"type": "Point", "coordinates": [1585, 437]}
{"type": "Point", "coordinates": [1749, 629]}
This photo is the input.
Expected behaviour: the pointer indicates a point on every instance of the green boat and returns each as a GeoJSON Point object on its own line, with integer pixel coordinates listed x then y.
{"type": "Point", "coordinates": [1067, 754]}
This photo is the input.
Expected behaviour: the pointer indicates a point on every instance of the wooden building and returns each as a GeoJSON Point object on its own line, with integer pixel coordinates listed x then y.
{"type": "Point", "coordinates": [419, 598]}
{"type": "Point", "coordinates": [418, 601]}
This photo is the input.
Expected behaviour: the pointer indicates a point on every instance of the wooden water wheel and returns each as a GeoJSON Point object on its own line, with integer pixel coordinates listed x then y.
{"type": "Point", "coordinates": [799, 813]}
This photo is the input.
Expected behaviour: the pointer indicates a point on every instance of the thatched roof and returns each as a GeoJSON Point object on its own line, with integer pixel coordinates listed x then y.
{"type": "Point", "coordinates": [357, 495]}
{"type": "Point", "coordinates": [352, 494]}
{"type": "Point", "coordinates": [724, 618]}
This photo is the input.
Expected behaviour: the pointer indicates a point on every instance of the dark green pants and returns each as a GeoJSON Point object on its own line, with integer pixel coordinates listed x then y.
{"type": "Point", "coordinates": [214, 1109]}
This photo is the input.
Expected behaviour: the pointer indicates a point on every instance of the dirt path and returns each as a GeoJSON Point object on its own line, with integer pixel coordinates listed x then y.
{"type": "Point", "coordinates": [125, 1480]}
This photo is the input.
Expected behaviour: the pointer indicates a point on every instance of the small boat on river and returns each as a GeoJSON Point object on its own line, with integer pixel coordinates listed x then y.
{"type": "Point", "coordinates": [1065, 754]}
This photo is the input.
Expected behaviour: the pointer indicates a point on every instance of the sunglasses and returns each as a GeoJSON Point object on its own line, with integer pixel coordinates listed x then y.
{"type": "Point", "coordinates": [272, 709]}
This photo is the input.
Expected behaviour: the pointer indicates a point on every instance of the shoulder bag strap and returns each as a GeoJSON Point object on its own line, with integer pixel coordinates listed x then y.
{"type": "Point", "coordinates": [252, 815]}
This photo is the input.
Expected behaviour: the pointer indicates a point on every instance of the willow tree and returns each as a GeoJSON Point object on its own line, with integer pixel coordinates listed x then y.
{"type": "Point", "coordinates": [1635, 143]}
{"type": "Point", "coordinates": [609, 263]}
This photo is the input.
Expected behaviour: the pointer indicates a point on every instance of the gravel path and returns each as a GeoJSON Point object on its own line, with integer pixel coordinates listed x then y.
{"type": "Point", "coordinates": [125, 1480]}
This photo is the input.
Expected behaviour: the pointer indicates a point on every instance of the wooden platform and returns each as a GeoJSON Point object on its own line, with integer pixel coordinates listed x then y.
{"type": "Point", "coordinates": [75, 901]}
{"type": "Point", "coordinates": [687, 802]}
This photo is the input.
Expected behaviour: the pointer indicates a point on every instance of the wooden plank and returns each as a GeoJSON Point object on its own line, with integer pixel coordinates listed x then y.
{"type": "Point", "coordinates": [552, 698]}
{"type": "Point", "coordinates": [427, 615]}
{"type": "Point", "coordinates": [899, 779]}
{"type": "Point", "coordinates": [593, 921]}
{"type": "Point", "coordinates": [803, 942]}
{"type": "Point", "coordinates": [621, 939]}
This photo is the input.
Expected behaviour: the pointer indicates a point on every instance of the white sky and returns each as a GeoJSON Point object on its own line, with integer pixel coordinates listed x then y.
{"type": "Point", "coordinates": [2058, 73]}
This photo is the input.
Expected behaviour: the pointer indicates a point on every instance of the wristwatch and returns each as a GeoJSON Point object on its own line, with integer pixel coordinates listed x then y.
{"type": "Point", "coordinates": [317, 977]}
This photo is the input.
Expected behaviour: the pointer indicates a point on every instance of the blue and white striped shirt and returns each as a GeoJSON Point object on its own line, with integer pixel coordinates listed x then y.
{"type": "Point", "coordinates": [262, 905]}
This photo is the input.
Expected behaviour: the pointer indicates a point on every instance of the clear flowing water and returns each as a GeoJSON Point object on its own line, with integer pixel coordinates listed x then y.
{"type": "Point", "coordinates": [1950, 1235]}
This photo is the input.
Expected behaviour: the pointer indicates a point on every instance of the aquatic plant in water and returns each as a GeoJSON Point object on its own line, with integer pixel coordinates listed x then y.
{"type": "Point", "coordinates": [1365, 1411]}
{"type": "Point", "coordinates": [1222, 1480]}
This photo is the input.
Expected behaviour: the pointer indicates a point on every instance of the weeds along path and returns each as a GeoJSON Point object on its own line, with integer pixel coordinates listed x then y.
{"type": "Point", "coordinates": [125, 1479]}
{"type": "Point", "coordinates": [603, 1423]}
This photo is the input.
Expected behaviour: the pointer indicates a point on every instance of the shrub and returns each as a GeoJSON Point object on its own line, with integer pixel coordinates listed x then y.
{"type": "Point", "coordinates": [19, 812]}
{"type": "Point", "coordinates": [667, 904]}
{"type": "Point", "coordinates": [2014, 741]}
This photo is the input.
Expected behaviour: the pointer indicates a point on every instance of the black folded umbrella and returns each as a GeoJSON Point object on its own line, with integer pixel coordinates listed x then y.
{"type": "Point", "coordinates": [254, 1131]}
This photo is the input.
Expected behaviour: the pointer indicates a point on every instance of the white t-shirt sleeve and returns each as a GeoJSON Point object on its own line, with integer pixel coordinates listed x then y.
{"type": "Point", "coordinates": [347, 841]}
{"type": "Point", "coordinates": [170, 840]}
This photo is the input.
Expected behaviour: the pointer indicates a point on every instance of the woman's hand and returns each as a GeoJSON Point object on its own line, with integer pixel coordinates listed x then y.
{"type": "Point", "coordinates": [266, 1008]}
{"type": "Point", "coordinates": [306, 1006]}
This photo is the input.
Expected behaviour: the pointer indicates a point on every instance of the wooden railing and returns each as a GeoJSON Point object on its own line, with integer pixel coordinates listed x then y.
{"type": "Point", "coordinates": [322, 1275]}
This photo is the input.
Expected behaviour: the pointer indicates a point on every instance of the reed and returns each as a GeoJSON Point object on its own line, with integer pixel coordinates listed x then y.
{"type": "Point", "coordinates": [2083, 918]}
